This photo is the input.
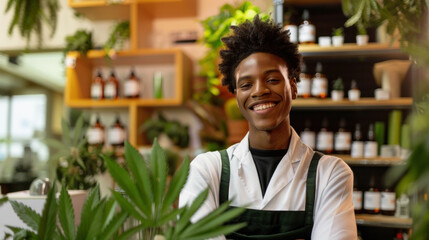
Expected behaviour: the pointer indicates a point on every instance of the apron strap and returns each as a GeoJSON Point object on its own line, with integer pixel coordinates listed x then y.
{"type": "Point", "coordinates": [224, 178]}
{"type": "Point", "coordinates": [311, 188]}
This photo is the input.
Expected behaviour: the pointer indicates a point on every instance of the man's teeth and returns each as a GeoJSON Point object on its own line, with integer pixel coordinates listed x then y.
{"type": "Point", "coordinates": [263, 106]}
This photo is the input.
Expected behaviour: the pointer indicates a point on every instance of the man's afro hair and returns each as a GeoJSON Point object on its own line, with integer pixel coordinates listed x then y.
{"type": "Point", "coordinates": [257, 36]}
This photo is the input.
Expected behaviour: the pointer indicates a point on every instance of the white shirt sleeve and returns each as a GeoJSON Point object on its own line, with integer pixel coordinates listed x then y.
{"type": "Point", "coordinates": [334, 212]}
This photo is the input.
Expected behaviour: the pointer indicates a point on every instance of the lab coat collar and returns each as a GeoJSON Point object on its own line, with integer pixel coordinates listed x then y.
{"type": "Point", "coordinates": [282, 176]}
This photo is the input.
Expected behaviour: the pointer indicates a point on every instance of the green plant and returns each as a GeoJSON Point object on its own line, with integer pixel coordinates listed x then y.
{"type": "Point", "coordinates": [30, 17]}
{"type": "Point", "coordinates": [99, 218]}
{"type": "Point", "coordinates": [338, 84]}
{"type": "Point", "coordinates": [75, 162]}
{"type": "Point", "coordinates": [232, 111]}
{"type": "Point", "coordinates": [80, 41]}
{"type": "Point", "coordinates": [338, 31]}
{"type": "Point", "coordinates": [118, 36]}
{"type": "Point", "coordinates": [216, 27]}
{"type": "Point", "coordinates": [150, 199]}
{"type": "Point", "coordinates": [178, 133]}
{"type": "Point", "coordinates": [361, 29]}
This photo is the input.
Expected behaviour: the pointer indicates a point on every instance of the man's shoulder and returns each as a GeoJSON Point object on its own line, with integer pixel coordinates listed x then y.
{"type": "Point", "coordinates": [335, 165]}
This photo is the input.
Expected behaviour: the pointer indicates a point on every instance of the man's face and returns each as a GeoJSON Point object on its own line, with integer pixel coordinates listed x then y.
{"type": "Point", "coordinates": [264, 91]}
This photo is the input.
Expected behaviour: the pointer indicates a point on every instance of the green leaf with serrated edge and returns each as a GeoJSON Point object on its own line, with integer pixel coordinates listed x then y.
{"type": "Point", "coordinates": [216, 232]}
{"type": "Point", "coordinates": [113, 226]}
{"type": "Point", "coordinates": [21, 233]}
{"type": "Point", "coordinates": [47, 223]}
{"type": "Point", "coordinates": [213, 220]}
{"type": "Point", "coordinates": [130, 233]}
{"type": "Point", "coordinates": [176, 184]}
{"type": "Point", "coordinates": [30, 217]}
{"type": "Point", "coordinates": [96, 220]}
{"type": "Point", "coordinates": [3, 200]}
{"type": "Point", "coordinates": [66, 214]}
{"type": "Point", "coordinates": [90, 202]}
{"type": "Point", "coordinates": [123, 179]}
{"type": "Point", "coordinates": [54, 143]}
{"type": "Point", "coordinates": [171, 216]}
{"type": "Point", "coordinates": [158, 165]}
{"type": "Point", "coordinates": [109, 211]}
{"type": "Point", "coordinates": [129, 208]}
{"type": "Point", "coordinates": [66, 133]}
{"type": "Point", "coordinates": [184, 219]}
{"type": "Point", "coordinates": [141, 176]}
{"type": "Point", "coordinates": [78, 130]}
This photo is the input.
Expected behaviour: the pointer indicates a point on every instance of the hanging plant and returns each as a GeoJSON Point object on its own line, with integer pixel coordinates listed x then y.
{"type": "Point", "coordinates": [29, 16]}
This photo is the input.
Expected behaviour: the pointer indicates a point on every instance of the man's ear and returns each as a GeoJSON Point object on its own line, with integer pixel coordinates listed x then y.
{"type": "Point", "coordinates": [294, 88]}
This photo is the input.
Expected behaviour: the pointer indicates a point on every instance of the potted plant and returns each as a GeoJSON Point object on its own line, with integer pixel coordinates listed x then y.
{"type": "Point", "coordinates": [119, 38]}
{"type": "Point", "coordinates": [144, 194]}
{"type": "Point", "coordinates": [216, 27]}
{"type": "Point", "coordinates": [337, 36]}
{"type": "Point", "coordinates": [31, 16]}
{"type": "Point", "coordinates": [337, 92]}
{"type": "Point", "coordinates": [237, 125]}
{"type": "Point", "coordinates": [362, 36]}
{"type": "Point", "coordinates": [80, 41]}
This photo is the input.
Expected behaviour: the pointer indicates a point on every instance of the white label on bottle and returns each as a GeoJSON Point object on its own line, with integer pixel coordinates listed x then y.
{"type": "Point", "coordinates": [319, 87]}
{"type": "Point", "coordinates": [116, 135]}
{"type": "Point", "coordinates": [388, 200]}
{"type": "Point", "coordinates": [357, 149]}
{"type": "Point", "coordinates": [372, 200]}
{"type": "Point", "coordinates": [293, 32]}
{"type": "Point", "coordinates": [70, 62]}
{"type": "Point", "coordinates": [109, 90]}
{"type": "Point", "coordinates": [325, 141]}
{"type": "Point", "coordinates": [343, 141]}
{"type": "Point", "coordinates": [309, 138]}
{"type": "Point", "coordinates": [307, 33]}
{"type": "Point", "coordinates": [96, 91]}
{"type": "Point", "coordinates": [304, 87]}
{"type": "Point", "coordinates": [131, 88]}
{"type": "Point", "coordinates": [357, 200]}
{"type": "Point", "coordinates": [371, 149]}
{"type": "Point", "coordinates": [95, 136]}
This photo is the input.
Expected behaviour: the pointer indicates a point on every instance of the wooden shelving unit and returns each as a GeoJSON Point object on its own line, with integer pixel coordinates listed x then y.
{"type": "Point", "coordinates": [383, 221]}
{"type": "Point", "coordinates": [350, 49]}
{"type": "Point", "coordinates": [363, 103]}
{"type": "Point", "coordinates": [377, 161]}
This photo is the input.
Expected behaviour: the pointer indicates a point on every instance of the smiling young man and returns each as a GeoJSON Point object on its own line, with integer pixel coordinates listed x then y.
{"type": "Point", "coordinates": [291, 191]}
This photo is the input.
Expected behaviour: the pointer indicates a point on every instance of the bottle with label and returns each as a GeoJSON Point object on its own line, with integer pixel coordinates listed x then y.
{"type": "Point", "coordinates": [354, 92]}
{"type": "Point", "coordinates": [325, 138]}
{"type": "Point", "coordinates": [357, 143]}
{"type": "Point", "coordinates": [388, 201]}
{"type": "Point", "coordinates": [117, 133]}
{"type": "Point", "coordinates": [97, 87]}
{"type": "Point", "coordinates": [403, 206]}
{"type": "Point", "coordinates": [343, 139]}
{"type": "Point", "coordinates": [308, 136]}
{"type": "Point", "coordinates": [371, 146]}
{"type": "Point", "coordinates": [304, 85]}
{"type": "Point", "coordinates": [132, 86]}
{"type": "Point", "coordinates": [293, 32]}
{"type": "Point", "coordinates": [319, 86]}
{"type": "Point", "coordinates": [357, 196]}
{"type": "Point", "coordinates": [111, 87]}
{"type": "Point", "coordinates": [95, 133]}
{"type": "Point", "coordinates": [372, 198]}
{"type": "Point", "coordinates": [306, 30]}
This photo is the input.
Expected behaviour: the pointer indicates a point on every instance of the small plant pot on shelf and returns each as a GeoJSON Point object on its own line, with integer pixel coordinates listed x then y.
{"type": "Point", "coordinates": [337, 95]}
{"type": "Point", "coordinates": [362, 40]}
{"type": "Point", "coordinates": [337, 41]}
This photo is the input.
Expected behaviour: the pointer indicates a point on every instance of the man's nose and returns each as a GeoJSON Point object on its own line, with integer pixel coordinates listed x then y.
{"type": "Point", "coordinates": [260, 89]}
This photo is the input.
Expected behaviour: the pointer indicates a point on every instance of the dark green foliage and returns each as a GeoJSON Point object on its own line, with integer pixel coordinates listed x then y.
{"type": "Point", "coordinates": [80, 41]}
{"type": "Point", "coordinates": [338, 84]}
{"type": "Point", "coordinates": [119, 34]}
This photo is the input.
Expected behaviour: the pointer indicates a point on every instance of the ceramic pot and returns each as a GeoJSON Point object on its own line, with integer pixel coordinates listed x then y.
{"type": "Point", "coordinates": [337, 95]}
{"type": "Point", "coordinates": [362, 39]}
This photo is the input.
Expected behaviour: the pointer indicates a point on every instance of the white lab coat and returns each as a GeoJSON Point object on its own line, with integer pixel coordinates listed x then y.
{"type": "Point", "coordinates": [333, 210]}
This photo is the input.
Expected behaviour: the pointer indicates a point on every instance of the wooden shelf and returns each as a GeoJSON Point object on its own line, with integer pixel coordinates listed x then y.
{"type": "Point", "coordinates": [383, 221]}
{"type": "Point", "coordinates": [363, 103]}
{"type": "Point", "coordinates": [350, 49]}
{"type": "Point", "coordinates": [377, 161]}
{"type": "Point", "coordinates": [118, 103]}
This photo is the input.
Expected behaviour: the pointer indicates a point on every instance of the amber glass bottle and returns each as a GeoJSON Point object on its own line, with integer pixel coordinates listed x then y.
{"type": "Point", "coordinates": [95, 133]}
{"type": "Point", "coordinates": [343, 139]}
{"type": "Point", "coordinates": [371, 146]}
{"type": "Point", "coordinates": [111, 87]}
{"type": "Point", "coordinates": [306, 30]}
{"type": "Point", "coordinates": [372, 197]}
{"type": "Point", "coordinates": [357, 196]}
{"type": "Point", "coordinates": [319, 86]}
{"type": "Point", "coordinates": [304, 85]}
{"type": "Point", "coordinates": [97, 87]}
{"type": "Point", "coordinates": [357, 143]}
{"type": "Point", "coordinates": [117, 133]}
{"type": "Point", "coordinates": [132, 86]}
{"type": "Point", "coordinates": [388, 201]}
{"type": "Point", "coordinates": [325, 138]}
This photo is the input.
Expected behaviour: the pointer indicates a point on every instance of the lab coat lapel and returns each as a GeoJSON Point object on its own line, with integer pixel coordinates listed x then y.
{"type": "Point", "coordinates": [284, 172]}
{"type": "Point", "coordinates": [246, 171]}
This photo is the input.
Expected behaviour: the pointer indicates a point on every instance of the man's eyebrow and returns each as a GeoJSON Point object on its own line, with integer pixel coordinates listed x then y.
{"type": "Point", "coordinates": [243, 78]}
{"type": "Point", "coordinates": [272, 71]}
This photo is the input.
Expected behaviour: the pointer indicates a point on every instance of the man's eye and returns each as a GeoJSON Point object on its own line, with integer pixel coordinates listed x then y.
{"type": "Point", "coordinates": [245, 86]}
{"type": "Point", "coordinates": [273, 80]}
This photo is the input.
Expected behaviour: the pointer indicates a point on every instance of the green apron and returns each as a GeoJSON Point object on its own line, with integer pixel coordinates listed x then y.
{"type": "Point", "coordinates": [262, 224]}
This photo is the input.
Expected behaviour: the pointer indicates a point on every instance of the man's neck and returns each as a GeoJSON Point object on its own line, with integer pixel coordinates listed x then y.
{"type": "Point", "coordinates": [278, 138]}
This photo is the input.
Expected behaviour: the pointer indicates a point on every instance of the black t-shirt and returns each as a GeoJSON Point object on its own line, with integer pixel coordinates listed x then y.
{"type": "Point", "coordinates": [266, 162]}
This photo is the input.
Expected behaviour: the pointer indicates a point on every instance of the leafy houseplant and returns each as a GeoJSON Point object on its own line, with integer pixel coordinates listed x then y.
{"type": "Point", "coordinates": [117, 38]}
{"type": "Point", "coordinates": [362, 37]}
{"type": "Point", "coordinates": [146, 196]}
{"type": "Point", "coordinates": [337, 92]}
{"type": "Point", "coordinates": [337, 36]}
{"type": "Point", "coordinates": [30, 17]}
{"type": "Point", "coordinates": [216, 27]}
{"type": "Point", "coordinates": [76, 163]}
{"type": "Point", "coordinates": [80, 41]}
